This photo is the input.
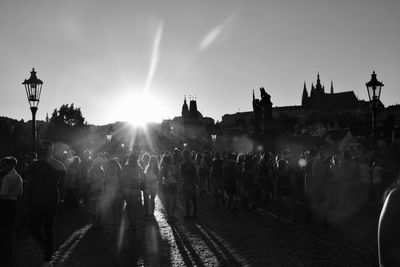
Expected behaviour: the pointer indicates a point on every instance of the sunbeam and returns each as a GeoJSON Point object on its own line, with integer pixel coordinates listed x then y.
{"type": "Point", "coordinates": [121, 233]}
{"type": "Point", "coordinates": [66, 248]}
{"type": "Point", "coordinates": [154, 57]}
{"type": "Point", "coordinates": [215, 33]}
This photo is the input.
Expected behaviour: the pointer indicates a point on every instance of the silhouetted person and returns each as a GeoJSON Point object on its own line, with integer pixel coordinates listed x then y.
{"type": "Point", "coordinates": [264, 179]}
{"type": "Point", "coordinates": [10, 191]}
{"type": "Point", "coordinates": [202, 171]}
{"type": "Point", "coordinates": [283, 190]}
{"type": "Point", "coordinates": [132, 178]}
{"type": "Point", "coordinates": [95, 191]}
{"type": "Point", "coordinates": [46, 189]}
{"type": "Point", "coordinates": [315, 176]}
{"type": "Point", "coordinates": [151, 179]}
{"type": "Point", "coordinates": [229, 176]}
{"type": "Point", "coordinates": [190, 184]}
{"type": "Point", "coordinates": [113, 190]}
{"type": "Point", "coordinates": [72, 183]}
{"type": "Point", "coordinates": [85, 165]}
{"type": "Point", "coordinates": [216, 177]}
{"type": "Point", "coordinates": [249, 172]}
{"type": "Point", "coordinates": [169, 185]}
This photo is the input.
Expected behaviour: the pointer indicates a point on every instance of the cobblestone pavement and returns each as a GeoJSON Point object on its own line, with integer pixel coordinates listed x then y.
{"type": "Point", "coordinates": [217, 238]}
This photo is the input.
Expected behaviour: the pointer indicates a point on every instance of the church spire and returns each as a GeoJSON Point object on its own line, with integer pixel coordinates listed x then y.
{"type": "Point", "coordinates": [304, 98]}
{"type": "Point", "coordinates": [185, 108]}
{"type": "Point", "coordinates": [331, 87]}
{"type": "Point", "coordinates": [318, 87]}
{"type": "Point", "coordinates": [318, 82]}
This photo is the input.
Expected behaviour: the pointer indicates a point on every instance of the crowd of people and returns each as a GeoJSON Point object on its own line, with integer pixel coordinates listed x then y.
{"type": "Point", "coordinates": [288, 182]}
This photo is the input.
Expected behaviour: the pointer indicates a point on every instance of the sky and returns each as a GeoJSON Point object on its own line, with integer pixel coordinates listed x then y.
{"type": "Point", "coordinates": [129, 60]}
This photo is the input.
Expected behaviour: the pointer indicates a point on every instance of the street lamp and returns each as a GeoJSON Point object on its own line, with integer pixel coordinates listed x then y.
{"type": "Point", "coordinates": [33, 88]}
{"type": "Point", "coordinates": [109, 136]}
{"type": "Point", "coordinates": [109, 133]}
{"type": "Point", "coordinates": [374, 88]}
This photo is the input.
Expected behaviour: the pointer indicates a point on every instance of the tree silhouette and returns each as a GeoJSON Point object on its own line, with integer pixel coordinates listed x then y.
{"type": "Point", "coordinates": [67, 115]}
{"type": "Point", "coordinates": [67, 125]}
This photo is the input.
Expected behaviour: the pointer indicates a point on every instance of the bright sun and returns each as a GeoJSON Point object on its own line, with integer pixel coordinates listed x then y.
{"type": "Point", "coordinates": [138, 109]}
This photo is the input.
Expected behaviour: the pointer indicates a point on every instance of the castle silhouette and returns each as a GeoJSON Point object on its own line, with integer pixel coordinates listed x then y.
{"type": "Point", "coordinates": [316, 106]}
{"type": "Point", "coordinates": [321, 100]}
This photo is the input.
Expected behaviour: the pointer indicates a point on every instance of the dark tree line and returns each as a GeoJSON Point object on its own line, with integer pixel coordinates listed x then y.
{"type": "Point", "coordinates": [67, 116]}
{"type": "Point", "coordinates": [67, 125]}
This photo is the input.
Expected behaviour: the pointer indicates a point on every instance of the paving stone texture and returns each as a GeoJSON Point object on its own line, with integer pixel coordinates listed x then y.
{"type": "Point", "coordinates": [216, 238]}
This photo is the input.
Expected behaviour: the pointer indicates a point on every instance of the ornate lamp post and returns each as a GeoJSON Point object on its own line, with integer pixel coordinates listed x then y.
{"type": "Point", "coordinates": [109, 133]}
{"type": "Point", "coordinates": [33, 88]}
{"type": "Point", "coordinates": [374, 88]}
{"type": "Point", "coordinates": [109, 136]}
{"type": "Point", "coordinates": [214, 140]}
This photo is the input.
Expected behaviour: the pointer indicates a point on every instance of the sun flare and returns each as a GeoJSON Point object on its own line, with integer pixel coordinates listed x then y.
{"type": "Point", "coordinates": [138, 109]}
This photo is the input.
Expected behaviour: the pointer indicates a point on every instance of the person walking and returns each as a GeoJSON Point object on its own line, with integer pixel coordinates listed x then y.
{"type": "Point", "coordinates": [95, 189]}
{"type": "Point", "coordinates": [377, 183]}
{"type": "Point", "coordinates": [335, 181]}
{"type": "Point", "coordinates": [365, 183]}
{"type": "Point", "coordinates": [216, 180]}
{"type": "Point", "coordinates": [229, 174]}
{"type": "Point", "coordinates": [10, 190]}
{"type": "Point", "coordinates": [315, 175]}
{"type": "Point", "coordinates": [169, 186]}
{"type": "Point", "coordinates": [283, 188]}
{"type": "Point", "coordinates": [240, 174]}
{"type": "Point", "coordinates": [248, 178]}
{"type": "Point", "coordinates": [132, 176]}
{"type": "Point", "coordinates": [113, 190]}
{"type": "Point", "coordinates": [46, 190]}
{"type": "Point", "coordinates": [84, 167]}
{"type": "Point", "coordinates": [151, 181]}
{"type": "Point", "coordinates": [72, 183]}
{"type": "Point", "coordinates": [264, 179]}
{"type": "Point", "coordinates": [190, 185]}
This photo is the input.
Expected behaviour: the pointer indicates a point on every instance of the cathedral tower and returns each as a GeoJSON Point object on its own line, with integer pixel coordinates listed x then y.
{"type": "Point", "coordinates": [193, 112]}
{"type": "Point", "coordinates": [304, 98]}
{"type": "Point", "coordinates": [319, 89]}
{"type": "Point", "coordinates": [185, 108]}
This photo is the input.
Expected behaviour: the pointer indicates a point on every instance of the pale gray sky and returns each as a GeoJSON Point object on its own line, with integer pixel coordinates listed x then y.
{"type": "Point", "coordinates": [97, 54]}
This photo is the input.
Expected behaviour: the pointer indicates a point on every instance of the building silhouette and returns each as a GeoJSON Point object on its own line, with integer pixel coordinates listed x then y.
{"type": "Point", "coordinates": [319, 99]}
{"type": "Point", "coordinates": [326, 108]}
{"type": "Point", "coordinates": [191, 127]}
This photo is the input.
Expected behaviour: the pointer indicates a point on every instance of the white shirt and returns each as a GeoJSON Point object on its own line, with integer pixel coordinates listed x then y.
{"type": "Point", "coordinates": [11, 186]}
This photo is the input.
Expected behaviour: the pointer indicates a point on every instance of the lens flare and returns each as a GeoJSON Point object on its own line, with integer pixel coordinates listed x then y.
{"type": "Point", "coordinates": [302, 163]}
